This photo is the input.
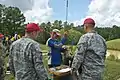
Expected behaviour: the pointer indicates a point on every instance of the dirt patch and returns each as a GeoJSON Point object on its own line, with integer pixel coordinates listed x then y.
{"type": "Point", "coordinates": [113, 52]}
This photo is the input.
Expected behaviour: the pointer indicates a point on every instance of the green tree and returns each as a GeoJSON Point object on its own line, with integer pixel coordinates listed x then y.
{"type": "Point", "coordinates": [66, 26]}
{"type": "Point", "coordinates": [11, 20]}
{"type": "Point", "coordinates": [57, 24]}
{"type": "Point", "coordinates": [60, 24]}
{"type": "Point", "coordinates": [2, 8]}
{"type": "Point", "coordinates": [73, 36]}
{"type": "Point", "coordinates": [46, 33]}
{"type": "Point", "coordinates": [71, 25]}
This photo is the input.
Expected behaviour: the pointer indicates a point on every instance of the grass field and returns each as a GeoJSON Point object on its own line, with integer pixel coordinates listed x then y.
{"type": "Point", "coordinates": [113, 44]}
{"type": "Point", "coordinates": [112, 71]}
{"type": "Point", "coordinates": [112, 68]}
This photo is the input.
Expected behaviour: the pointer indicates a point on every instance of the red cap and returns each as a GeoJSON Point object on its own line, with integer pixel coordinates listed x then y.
{"type": "Point", "coordinates": [1, 35]}
{"type": "Point", "coordinates": [89, 21]}
{"type": "Point", "coordinates": [33, 27]}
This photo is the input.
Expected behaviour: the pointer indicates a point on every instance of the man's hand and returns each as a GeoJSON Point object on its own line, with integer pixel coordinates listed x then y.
{"type": "Point", "coordinates": [65, 33]}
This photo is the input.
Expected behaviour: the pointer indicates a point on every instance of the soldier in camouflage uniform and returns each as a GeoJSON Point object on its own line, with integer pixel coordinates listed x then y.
{"type": "Point", "coordinates": [25, 58]}
{"type": "Point", "coordinates": [2, 54]}
{"type": "Point", "coordinates": [90, 54]}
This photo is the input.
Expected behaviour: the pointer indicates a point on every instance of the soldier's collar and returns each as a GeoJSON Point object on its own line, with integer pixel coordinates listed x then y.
{"type": "Point", "coordinates": [93, 31]}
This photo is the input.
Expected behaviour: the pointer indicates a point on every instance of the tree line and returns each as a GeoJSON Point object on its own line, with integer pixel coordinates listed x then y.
{"type": "Point", "coordinates": [12, 20]}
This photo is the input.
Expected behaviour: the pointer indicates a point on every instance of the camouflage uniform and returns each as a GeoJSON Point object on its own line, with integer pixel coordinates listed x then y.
{"type": "Point", "coordinates": [2, 66]}
{"type": "Point", "coordinates": [90, 56]}
{"type": "Point", "coordinates": [25, 60]}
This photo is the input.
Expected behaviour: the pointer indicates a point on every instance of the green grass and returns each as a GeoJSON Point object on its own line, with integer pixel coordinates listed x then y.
{"type": "Point", "coordinates": [112, 70]}
{"type": "Point", "coordinates": [113, 44]}
{"type": "Point", "coordinates": [9, 77]}
{"type": "Point", "coordinates": [44, 47]}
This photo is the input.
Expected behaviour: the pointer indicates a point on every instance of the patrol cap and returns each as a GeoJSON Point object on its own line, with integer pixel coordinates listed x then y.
{"type": "Point", "coordinates": [1, 35]}
{"type": "Point", "coordinates": [89, 21]}
{"type": "Point", "coordinates": [33, 27]}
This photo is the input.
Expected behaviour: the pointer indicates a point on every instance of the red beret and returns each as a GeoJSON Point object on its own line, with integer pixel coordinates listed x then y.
{"type": "Point", "coordinates": [89, 21]}
{"type": "Point", "coordinates": [1, 35]}
{"type": "Point", "coordinates": [33, 27]}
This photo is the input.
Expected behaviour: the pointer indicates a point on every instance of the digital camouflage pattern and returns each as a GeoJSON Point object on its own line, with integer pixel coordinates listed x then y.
{"type": "Point", "coordinates": [2, 61]}
{"type": "Point", "coordinates": [25, 60]}
{"type": "Point", "coordinates": [90, 56]}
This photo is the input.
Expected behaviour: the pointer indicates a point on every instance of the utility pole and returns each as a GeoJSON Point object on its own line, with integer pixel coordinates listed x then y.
{"type": "Point", "coordinates": [67, 11]}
